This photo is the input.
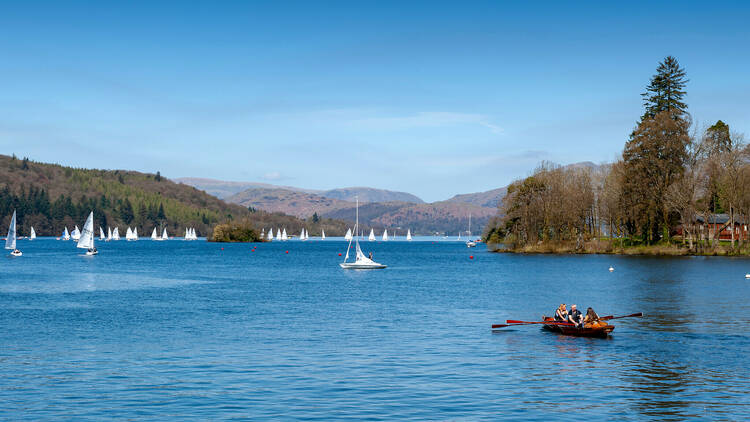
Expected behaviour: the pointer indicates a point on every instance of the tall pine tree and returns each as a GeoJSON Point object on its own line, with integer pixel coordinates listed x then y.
{"type": "Point", "coordinates": [666, 90]}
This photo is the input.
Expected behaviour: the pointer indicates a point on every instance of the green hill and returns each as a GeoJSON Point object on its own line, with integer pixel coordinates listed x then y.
{"type": "Point", "coordinates": [50, 197]}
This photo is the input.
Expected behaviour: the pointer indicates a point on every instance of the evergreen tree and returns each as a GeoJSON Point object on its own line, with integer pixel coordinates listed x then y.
{"type": "Point", "coordinates": [160, 215]}
{"type": "Point", "coordinates": [126, 212]}
{"type": "Point", "coordinates": [666, 90]}
{"type": "Point", "coordinates": [718, 138]}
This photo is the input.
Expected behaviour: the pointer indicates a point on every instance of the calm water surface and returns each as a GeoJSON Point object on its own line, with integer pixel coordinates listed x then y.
{"type": "Point", "coordinates": [186, 330]}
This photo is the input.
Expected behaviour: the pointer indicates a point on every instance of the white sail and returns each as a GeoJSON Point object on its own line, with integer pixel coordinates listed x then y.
{"type": "Point", "coordinates": [385, 234]}
{"type": "Point", "coordinates": [278, 234]}
{"type": "Point", "coordinates": [371, 238]}
{"type": "Point", "coordinates": [322, 234]}
{"type": "Point", "coordinates": [302, 234]}
{"type": "Point", "coordinates": [269, 236]}
{"type": "Point", "coordinates": [10, 240]}
{"type": "Point", "coordinates": [348, 234]}
{"type": "Point", "coordinates": [32, 236]}
{"type": "Point", "coordinates": [116, 234]}
{"type": "Point", "coordinates": [66, 235]}
{"type": "Point", "coordinates": [128, 233]}
{"type": "Point", "coordinates": [87, 236]}
{"type": "Point", "coordinates": [164, 235]}
{"type": "Point", "coordinates": [154, 236]}
{"type": "Point", "coordinates": [408, 234]}
{"type": "Point", "coordinates": [101, 233]}
{"type": "Point", "coordinates": [135, 233]}
{"type": "Point", "coordinates": [75, 234]}
{"type": "Point", "coordinates": [109, 233]}
{"type": "Point", "coordinates": [284, 235]}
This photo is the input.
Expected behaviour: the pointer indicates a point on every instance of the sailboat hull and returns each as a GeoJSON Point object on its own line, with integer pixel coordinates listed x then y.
{"type": "Point", "coordinates": [362, 266]}
{"type": "Point", "coordinates": [16, 253]}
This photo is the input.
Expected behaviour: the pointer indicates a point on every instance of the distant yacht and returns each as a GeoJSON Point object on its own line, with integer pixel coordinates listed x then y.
{"type": "Point", "coordinates": [116, 234]}
{"type": "Point", "coordinates": [101, 233]}
{"type": "Point", "coordinates": [361, 262]}
{"type": "Point", "coordinates": [278, 234]}
{"type": "Point", "coordinates": [385, 235]}
{"type": "Point", "coordinates": [322, 234]}
{"type": "Point", "coordinates": [269, 236]}
{"type": "Point", "coordinates": [135, 233]}
{"type": "Point", "coordinates": [408, 235]}
{"type": "Point", "coordinates": [154, 235]}
{"type": "Point", "coordinates": [348, 235]}
{"type": "Point", "coordinates": [10, 240]}
{"type": "Point", "coordinates": [109, 234]}
{"type": "Point", "coordinates": [32, 236]}
{"type": "Point", "coordinates": [164, 235]}
{"type": "Point", "coordinates": [470, 243]}
{"type": "Point", "coordinates": [302, 234]}
{"type": "Point", "coordinates": [75, 234]}
{"type": "Point", "coordinates": [284, 236]}
{"type": "Point", "coordinates": [371, 238]}
{"type": "Point", "coordinates": [65, 234]}
{"type": "Point", "coordinates": [86, 240]}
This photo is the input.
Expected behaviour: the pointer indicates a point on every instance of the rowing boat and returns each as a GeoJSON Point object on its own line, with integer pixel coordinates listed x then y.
{"type": "Point", "coordinates": [602, 331]}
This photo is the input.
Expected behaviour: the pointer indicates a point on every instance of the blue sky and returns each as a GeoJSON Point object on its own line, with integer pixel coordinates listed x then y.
{"type": "Point", "coordinates": [426, 97]}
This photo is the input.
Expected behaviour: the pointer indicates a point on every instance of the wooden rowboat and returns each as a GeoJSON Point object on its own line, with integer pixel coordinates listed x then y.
{"type": "Point", "coordinates": [569, 330]}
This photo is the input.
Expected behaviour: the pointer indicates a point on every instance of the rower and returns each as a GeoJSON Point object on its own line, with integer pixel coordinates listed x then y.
{"type": "Point", "coordinates": [561, 314]}
{"type": "Point", "coordinates": [575, 316]}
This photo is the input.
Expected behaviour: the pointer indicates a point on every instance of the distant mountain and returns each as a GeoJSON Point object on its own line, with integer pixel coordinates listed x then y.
{"type": "Point", "coordinates": [299, 204]}
{"type": "Point", "coordinates": [370, 195]}
{"type": "Point", "coordinates": [224, 189]}
{"type": "Point", "coordinates": [445, 216]}
{"type": "Point", "coordinates": [491, 198]}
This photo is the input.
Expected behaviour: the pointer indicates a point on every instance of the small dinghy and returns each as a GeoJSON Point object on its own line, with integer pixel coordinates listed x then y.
{"type": "Point", "coordinates": [361, 262]}
{"type": "Point", "coordinates": [86, 241]}
{"type": "Point", "coordinates": [10, 240]}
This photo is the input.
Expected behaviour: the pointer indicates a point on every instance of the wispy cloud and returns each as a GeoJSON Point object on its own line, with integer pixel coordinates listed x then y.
{"type": "Point", "coordinates": [274, 176]}
{"type": "Point", "coordinates": [425, 119]}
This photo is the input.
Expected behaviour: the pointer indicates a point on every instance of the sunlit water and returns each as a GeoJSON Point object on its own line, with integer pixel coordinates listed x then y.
{"type": "Point", "coordinates": [187, 330]}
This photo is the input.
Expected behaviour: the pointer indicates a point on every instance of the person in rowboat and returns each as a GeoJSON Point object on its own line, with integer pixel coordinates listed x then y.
{"type": "Point", "coordinates": [575, 316]}
{"type": "Point", "coordinates": [561, 314]}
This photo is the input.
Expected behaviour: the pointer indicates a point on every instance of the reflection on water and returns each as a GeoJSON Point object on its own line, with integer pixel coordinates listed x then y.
{"type": "Point", "coordinates": [185, 329]}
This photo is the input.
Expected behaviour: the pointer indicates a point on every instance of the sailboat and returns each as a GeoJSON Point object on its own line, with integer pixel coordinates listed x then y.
{"type": "Point", "coordinates": [348, 235]}
{"type": "Point", "coordinates": [86, 240]}
{"type": "Point", "coordinates": [109, 234]}
{"type": "Point", "coordinates": [135, 233]}
{"type": "Point", "coordinates": [101, 233]}
{"type": "Point", "coordinates": [408, 235]}
{"type": "Point", "coordinates": [128, 234]}
{"type": "Point", "coordinates": [75, 234]}
{"type": "Point", "coordinates": [322, 234]}
{"type": "Point", "coordinates": [154, 235]}
{"type": "Point", "coordinates": [284, 236]}
{"type": "Point", "coordinates": [278, 234]}
{"type": "Point", "coordinates": [385, 235]}
{"type": "Point", "coordinates": [164, 235]}
{"type": "Point", "coordinates": [269, 236]}
{"type": "Point", "coordinates": [32, 236]}
{"type": "Point", "coordinates": [116, 234]}
{"type": "Point", "coordinates": [361, 262]}
{"type": "Point", "coordinates": [10, 240]}
{"type": "Point", "coordinates": [302, 234]}
{"type": "Point", "coordinates": [371, 238]}
{"type": "Point", "coordinates": [65, 235]}
{"type": "Point", "coordinates": [470, 243]}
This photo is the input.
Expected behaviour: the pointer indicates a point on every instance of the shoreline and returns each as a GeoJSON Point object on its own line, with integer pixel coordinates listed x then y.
{"type": "Point", "coordinates": [606, 248]}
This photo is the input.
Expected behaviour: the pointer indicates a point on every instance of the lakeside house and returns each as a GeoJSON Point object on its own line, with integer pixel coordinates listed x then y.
{"type": "Point", "coordinates": [719, 223]}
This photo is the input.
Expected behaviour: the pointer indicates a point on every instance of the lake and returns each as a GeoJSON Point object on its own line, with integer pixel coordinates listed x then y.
{"type": "Point", "coordinates": [188, 330]}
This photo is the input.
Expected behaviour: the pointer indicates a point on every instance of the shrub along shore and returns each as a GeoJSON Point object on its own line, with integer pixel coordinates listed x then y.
{"type": "Point", "coordinates": [616, 247]}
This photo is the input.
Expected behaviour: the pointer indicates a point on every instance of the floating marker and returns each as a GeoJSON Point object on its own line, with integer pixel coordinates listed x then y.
{"type": "Point", "coordinates": [339, 253]}
{"type": "Point", "coordinates": [471, 256]}
{"type": "Point", "coordinates": [222, 249]}
{"type": "Point", "coordinates": [611, 269]}
{"type": "Point", "coordinates": [287, 251]}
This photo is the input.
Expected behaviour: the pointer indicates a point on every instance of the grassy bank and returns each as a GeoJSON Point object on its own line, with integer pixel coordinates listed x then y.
{"type": "Point", "coordinates": [616, 247]}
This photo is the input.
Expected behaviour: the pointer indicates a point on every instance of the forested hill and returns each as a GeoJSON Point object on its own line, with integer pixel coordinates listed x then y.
{"type": "Point", "coordinates": [51, 197]}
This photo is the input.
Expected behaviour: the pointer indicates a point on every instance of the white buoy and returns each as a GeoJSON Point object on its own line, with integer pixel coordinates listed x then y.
{"type": "Point", "coordinates": [611, 269]}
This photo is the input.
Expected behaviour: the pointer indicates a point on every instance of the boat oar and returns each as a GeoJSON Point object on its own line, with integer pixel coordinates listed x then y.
{"type": "Point", "coordinates": [608, 317]}
{"type": "Point", "coordinates": [512, 323]}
